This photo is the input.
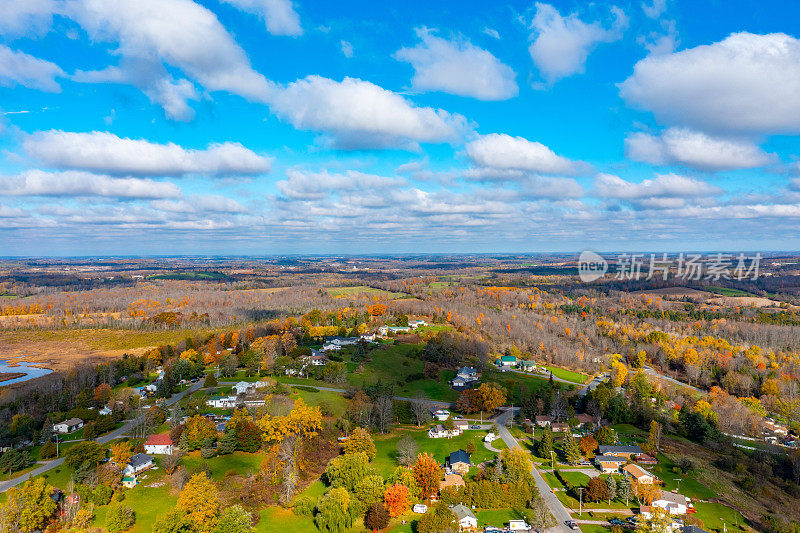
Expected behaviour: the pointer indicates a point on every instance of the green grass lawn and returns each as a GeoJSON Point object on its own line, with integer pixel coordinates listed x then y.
{"type": "Point", "coordinates": [594, 528]}
{"type": "Point", "coordinates": [334, 402]}
{"type": "Point", "coordinates": [578, 479]}
{"type": "Point", "coordinates": [569, 375]}
{"type": "Point", "coordinates": [363, 289]}
{"type": "Point", "coordinates": [713, 515]}
{"type": "Point", "coordinates": [386, 446]}
{"type": "Point", "coordinates": [239, 462]}
{"type": "Point", "coordinates": [496, 517]}
{"type": "Point", "coordinates": [147, 502]}
{"type": "Point", "coordinates": [689, 486]}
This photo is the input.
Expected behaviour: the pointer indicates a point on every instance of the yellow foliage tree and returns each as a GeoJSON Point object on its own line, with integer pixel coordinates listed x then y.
{"type": "Point", "coordinates": [200, 501]}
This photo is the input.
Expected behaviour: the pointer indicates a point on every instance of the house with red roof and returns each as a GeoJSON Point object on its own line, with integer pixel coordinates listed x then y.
{"type": "Point", "coordinates": [160, 444]}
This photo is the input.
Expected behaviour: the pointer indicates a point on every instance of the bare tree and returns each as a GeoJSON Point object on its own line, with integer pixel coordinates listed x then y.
{"type": "Point", "coordinates": [384, 413]}
{"type": "Point", "coordinates": [419, 408]}
{"type": "Point", "coordinates": [407, 450]}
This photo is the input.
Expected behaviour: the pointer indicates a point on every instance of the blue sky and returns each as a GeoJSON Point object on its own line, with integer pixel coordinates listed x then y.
{"type": "Point", "coordinates": [278, 126]}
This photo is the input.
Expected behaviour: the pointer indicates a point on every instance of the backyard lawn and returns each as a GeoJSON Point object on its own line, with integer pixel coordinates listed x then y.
{"type": "Point", "coordinates": [386, 446]}
{"type": "Point", "coordinates": [714, 515]}
{"type": "Point", "coordinates": [689, 486]}
{"type": "Point", "coordinates": [569, 375]}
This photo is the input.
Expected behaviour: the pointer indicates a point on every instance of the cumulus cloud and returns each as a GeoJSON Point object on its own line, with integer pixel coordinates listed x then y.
{"type": "Point", "coordinates": [663, 186]}
{"type": "Point", "coordinates": [360, 114]}
{"type": "Point", "coordinates": [76, 183]}
{"type": "Point", "coordinates": [504, 153]}
{"type": "Point", "coordinates": [746, 83]}
{"type": "Point", "coordinates": [200, 204]}
{"type": "Point", "coordinates": [279, 15]}
{"type": "Point", "coordinates": [304, 185]}
{"type": "Point", "coordinates": [549, 187]}
{"type": "Point", "coordinates": [18, 68]}
{"type": "Point", "coordinates": [107, 153]}
{"type": "Point", "coordinates": [177, 33]}
{"type": "Point", "coordinates": [458, 67]}
{"type": "Point", "coordinates": [29, 17]}
{"type": "Point", "coordinates": [560, 45]}
{"type": "Point", "coordinates": [696, 150]}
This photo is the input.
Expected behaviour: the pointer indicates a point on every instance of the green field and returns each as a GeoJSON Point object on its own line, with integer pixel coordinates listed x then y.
{"type": "Point", "coordinates": [727, 291]}
{"type": "Point", "coordinates": [386, 446]}
{"type": "Point", "coordinates": [568, 375]}
{"type": "Point", "coordinates": [689, 486]}
{"type": "Point", "coordinates": [337, 292]}
{"type": "Point", "coordinates": [714, 515]}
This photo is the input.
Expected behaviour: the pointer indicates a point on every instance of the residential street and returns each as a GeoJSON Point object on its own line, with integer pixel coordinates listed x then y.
{"type": "Point", "coordinates": [117, 433]}
{"type": "Point", "coordinates": [557, 509]}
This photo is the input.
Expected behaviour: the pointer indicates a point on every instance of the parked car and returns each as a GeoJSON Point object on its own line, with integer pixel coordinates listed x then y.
{"type": "Point", "coordinates": [475, 426]}
{"type": "Point", "coordinates": [572, 524]}
{"type": "Point", "coordinates": [616, 522]}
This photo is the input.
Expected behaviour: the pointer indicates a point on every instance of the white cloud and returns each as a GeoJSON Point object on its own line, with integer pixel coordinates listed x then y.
{"type": "Point", "coordinates": [560, 45]}
{"type": "Point", "coordinates": [505, 153]}
{"type": "Point", "coordinates": [200, 204]}
{"type": "Point", "coordinates": [303, 185]}
{"type": "Point", "coordinates": [491, 32]}
{"type": "Point", "coordinates": [347, 49]}
{"type": "Point", "coordinates": [279, 15]}
{"type": "Point", "coordinates": [458, 67]}
{"type": "Point", "coordinates": [75, 183]}
{"type": "Point", "coordinates": [178, 33]}
{"type": "Point", "coordinates": [105, 152]}
{"type": "Point", "coordinates": [360, 114]}
{"type": "Point", "coordinates": [18, 68]}
{"type": "Point", "coordinates": [746, 83]}
{"type": "Point", "coordinates": [662, 186]}
{"type": "Point", "coordinates": [655, 8]}
{"type": "Point", "coordinates": [696, 150]}
{"type": "Point", "coordinates": [547, 187]}
{"type": "Point", "coordinates": [27, 17]}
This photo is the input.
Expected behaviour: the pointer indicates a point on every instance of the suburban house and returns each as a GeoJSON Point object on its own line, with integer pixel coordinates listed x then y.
{"type": "Point", "coordinates": [609, 463]}
{"type": "Point", "coordinates": [385, 330]}
{"type": "Point", "coordinates": [368, 337]}
{"type": "Point", "coordinates": [242, 387]}
{"type": "Point", "coordinates": [414, 324]}
{"type": "Point", "coordinates": [420, 508]}
{"type": "Point", "coordinates": [528, 366]}
{"type": "Point", "coordinates": [671, 502]}
{"type": "Point", "coordinates": [543, 420]}
{"type": "Point", "coordinates": [559, 427]}
{"type": "Point", "coordinates": [129, 482]}
{"type": "Point", "coordinates": [465, 376]}
{"type": "Point", "coordinates": [439, 432]}
{"type": "Point", "coordinates": [771, 427]}
{"type": "Point", "coordinates": [638, 474]}
{"type": "Point", "coordinates": [222, 402]}
{"type": "Point", "coordinates": [451, 480]}
{"type": "Point", "coordinates": [645, 459]}
{"type": "Point", "coordinates": [466, 518]}
{"type": "Point", "coordinates": [439, 414]}
{"type": "Point", "coordinates": [160, 444]}
{"type": "Point", "coordinates": [458, 461]}
{"type": "Point", "coordinates": [587, 421]}
{"type": "Point", "coordinates": [264, 383]}
{"type": "Point", "coordinates": [316, 359]}
{"type": "Point", "coordinates": [328, 347]}
{"type": "Point", "coordinates": [460, 426]}
{"type": "Point", "coordinates": [342, 341]}
{"type": "Point", "coordinates": [506, 360]}
{"type": "Point", "coordinates": [68, 426]}
{"type": "Point", "coordinates": [620, 451]}
{"type": "Point", "coordinates": [138, 463]}
{"type": "Point", "coordinates": [518, 525]}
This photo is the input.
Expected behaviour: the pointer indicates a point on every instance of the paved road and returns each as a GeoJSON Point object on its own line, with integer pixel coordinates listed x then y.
{"type": "Point", "coordinates": [117, 433]}
{"type": "Point", "coordinates": [556, 507]}
{"type": "Point", "coordinates": [653, 372]}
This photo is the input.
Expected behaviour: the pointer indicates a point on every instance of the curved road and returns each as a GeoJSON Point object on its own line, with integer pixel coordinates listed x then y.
{"type": "Point", "coordinates": [557, 509]}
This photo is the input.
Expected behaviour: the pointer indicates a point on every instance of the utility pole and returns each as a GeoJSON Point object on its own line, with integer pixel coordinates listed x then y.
{"type": "Point", "coordinates": [580, 505]}
{"type": "Point", "coordinates": [678, 479]}
{"type": "Point", "coordinates": [553, 460]}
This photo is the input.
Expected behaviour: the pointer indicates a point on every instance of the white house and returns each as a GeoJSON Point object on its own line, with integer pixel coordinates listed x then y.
{"type": "Point", "coordinates": [68, 426]}
{"type": "Point", "coordinates": [369, 337]}
{"type": "Point", "coordinates": [222, 402]}
{"type": "Point", "coordinates": [671, 502]}
{"type": "Point", "coordinates": [490, 437]}
{"type": "Point", "coordinates": [242, 387]}
{"type": "Point", "coordinates": [438, 432]}
{"type": "Point", "coordinates": [328, 347]}
{"type": "Point", "coordinates": [414, 324]}
{"type": "Point", "coordinates": [138, 463]}
{"type": "Point", "coordinates": [105, 411]}
{"type": "Point", "coordinates": [420, 508]}
{"type": "Point", "coordinates": [440, 414]}
{"type": "Point", "coordinates": [466, 518]}
{"type": "Point", "coordinates": [160, 444]}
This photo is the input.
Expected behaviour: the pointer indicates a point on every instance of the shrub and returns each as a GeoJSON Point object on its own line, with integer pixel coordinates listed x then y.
{"type": "Point", "coordinates": [303, 506]}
